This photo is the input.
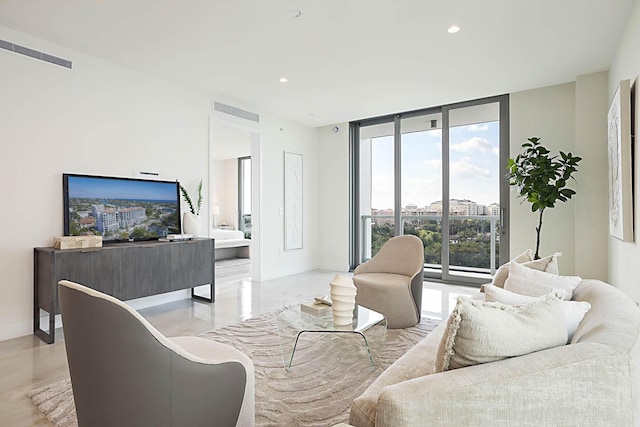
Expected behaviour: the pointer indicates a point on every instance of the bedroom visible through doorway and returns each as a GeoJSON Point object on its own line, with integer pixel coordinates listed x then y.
{"type": "Point", "coordinates": [231, 199]}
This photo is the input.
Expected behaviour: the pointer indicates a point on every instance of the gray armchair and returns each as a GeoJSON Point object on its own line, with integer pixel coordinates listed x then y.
{"type": "Point", "coordinates": [124, 372]}
{"type": "Point", "coordinates": [391, 281]}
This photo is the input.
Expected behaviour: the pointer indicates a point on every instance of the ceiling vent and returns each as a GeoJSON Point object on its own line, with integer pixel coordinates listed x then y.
{"type": "Point", "coordinates": [235, 112]}
{"type": "Point", "coordinates": [35, 54]}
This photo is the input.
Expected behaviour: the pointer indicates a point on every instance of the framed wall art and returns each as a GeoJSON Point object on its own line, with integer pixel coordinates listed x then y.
{"type": "Point", "coordinates": [620, 175]}
{"type": "Point", "coordinates": [292, 201]}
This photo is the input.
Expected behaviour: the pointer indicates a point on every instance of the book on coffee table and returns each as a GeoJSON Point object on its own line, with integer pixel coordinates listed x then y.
{"type": "Point", "coordinates": [313, 308]}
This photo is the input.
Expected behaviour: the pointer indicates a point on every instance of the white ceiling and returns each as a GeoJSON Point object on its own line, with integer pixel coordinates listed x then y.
{"type": "Point", "coordinates": [345, 59]}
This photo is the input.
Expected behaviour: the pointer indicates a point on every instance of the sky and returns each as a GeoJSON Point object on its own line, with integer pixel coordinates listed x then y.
{"type": "Point", "coordinates": [117, 188]}
{"type": "Point", "coordinates": [474, 173]}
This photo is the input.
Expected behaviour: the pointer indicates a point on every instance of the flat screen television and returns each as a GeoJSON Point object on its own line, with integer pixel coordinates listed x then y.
{"type": "Point", "coordinates": [120, 209]}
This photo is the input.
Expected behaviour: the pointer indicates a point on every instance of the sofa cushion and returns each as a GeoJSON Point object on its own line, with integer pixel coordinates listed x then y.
{"type": "Point", "coordinates": [531, 282]}
{"type": "Point", "coordinates": [417, 362]}
{"type": "Point", "coordinates": [548, 264]}
{"type": "Point", "coordinates": [603, 359]}
{"type": "Point", "coordinates": [574, 311]}
{"type": "Point", "coordinates": [479, 332]}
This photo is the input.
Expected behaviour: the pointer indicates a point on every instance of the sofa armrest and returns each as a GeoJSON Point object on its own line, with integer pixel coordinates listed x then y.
{"type": "Point", "coordinates": [579, 384]}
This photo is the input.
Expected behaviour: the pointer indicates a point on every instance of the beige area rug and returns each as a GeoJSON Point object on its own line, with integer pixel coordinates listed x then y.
{"type": "Point", "coordinates": [328, 372]}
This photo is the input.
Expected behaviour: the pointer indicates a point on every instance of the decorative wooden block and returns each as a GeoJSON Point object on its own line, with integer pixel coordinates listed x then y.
{"type": "Point", "coordinates": [77, 242]}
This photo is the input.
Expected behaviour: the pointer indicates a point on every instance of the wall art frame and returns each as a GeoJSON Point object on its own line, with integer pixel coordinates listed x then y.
{"type": "Point", "coordinates": [293, 198]}
{"type": "Point", "coordinates": [620, 164]}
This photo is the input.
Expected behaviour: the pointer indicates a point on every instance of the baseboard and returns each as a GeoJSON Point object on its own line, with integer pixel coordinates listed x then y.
{"type": "Point", "coordinates": [15, 330]}
{"type": "Point", "coordinates": [20, 329]}
{"type": "Point", "coordinates": [150, 301]}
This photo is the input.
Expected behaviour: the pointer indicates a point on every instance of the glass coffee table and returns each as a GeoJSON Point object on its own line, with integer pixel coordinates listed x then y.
{"type": "Point", "coordinates": [292, 323]}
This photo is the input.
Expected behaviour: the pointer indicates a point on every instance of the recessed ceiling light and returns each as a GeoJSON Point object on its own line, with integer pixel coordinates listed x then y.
{"type": "Point", "coordinates": [283, 80]}
{"type": "Point", "coordinates": [453, 29]}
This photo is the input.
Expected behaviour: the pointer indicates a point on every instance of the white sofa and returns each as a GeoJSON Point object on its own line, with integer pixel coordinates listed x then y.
{"type": "Point", "coordinates": [593, 381]}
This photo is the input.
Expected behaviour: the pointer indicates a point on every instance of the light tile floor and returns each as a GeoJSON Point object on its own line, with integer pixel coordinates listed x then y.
{"type": "Point", "coordinates": [27, 363]}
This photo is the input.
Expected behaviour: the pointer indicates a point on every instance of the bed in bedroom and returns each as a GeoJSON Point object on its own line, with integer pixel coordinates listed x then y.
{"type": "Point", "coordinates": [232, 254]}
{"type": "Point", "coordinates": [231, 244]}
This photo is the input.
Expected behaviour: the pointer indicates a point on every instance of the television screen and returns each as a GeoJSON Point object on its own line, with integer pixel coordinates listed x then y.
{"type": "Point", "coordinates": [120, 209]}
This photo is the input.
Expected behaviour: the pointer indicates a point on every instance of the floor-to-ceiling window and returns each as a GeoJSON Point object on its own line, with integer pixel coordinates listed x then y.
{"type": "Point", "coordinates": [244, 196]}
{"type": "Point", "coordinates": [437, 173]}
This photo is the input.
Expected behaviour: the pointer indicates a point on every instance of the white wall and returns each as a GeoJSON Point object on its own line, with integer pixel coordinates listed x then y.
{"type": "Point", "coordinates": [570, 118]}
{"type": "Point", "coordinates": [591, 220]}
{"type": "Point", "coordinates": [225, 191]}
{"type": "Point", "coordinates": [547, 113]}
{"type": "Point", "coordinates": [277, 137]}
{"type": "Point", "coordinates": [98, 118]}
{"type": "Point", "coordinates": [333, 154]}
{"type": "Point", "coordinates": [101, 118]}
{"type": "Point", "coordinates": [230, 213]}
{"type": "Point", "coordinates": [624, 265]}
{"type": "Point", "coordinates": [218, 187]}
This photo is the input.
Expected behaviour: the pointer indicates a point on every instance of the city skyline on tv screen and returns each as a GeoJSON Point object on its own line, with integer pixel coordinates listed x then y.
{"type": "Point", "coordinates": [120, 209]}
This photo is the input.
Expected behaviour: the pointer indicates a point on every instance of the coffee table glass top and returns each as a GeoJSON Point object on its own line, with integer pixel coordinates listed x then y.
{"type": "Point", "coordinates": [293, 322]}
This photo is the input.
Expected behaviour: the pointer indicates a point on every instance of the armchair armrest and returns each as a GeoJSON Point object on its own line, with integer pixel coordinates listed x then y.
{"type": "Point", "coordinates": [402, 255]}
{"type": "Point", "coordinates": [371, 266]}
{"type": "Point", "coordinates": [194, 379]}
{"type": "Point", "coordinates": [381, 265]}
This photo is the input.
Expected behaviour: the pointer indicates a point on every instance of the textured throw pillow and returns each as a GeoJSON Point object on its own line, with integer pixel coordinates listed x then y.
{"type": "Point", "coordinates": [534, 283]}
{"type": "Point", "coordinates": [574, 311]}
{"type": "Point", "coordinates": [548, 264]}
{"type": "Point", "coordinates": [503, 270]}
{"type": "Point", "coordinates": [479, 332]}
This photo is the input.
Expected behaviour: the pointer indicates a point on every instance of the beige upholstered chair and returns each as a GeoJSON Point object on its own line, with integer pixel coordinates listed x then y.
{"type": "Point", "coordinates": [391, 281]}
{"type": "Point", "coordinates": [124, 372]}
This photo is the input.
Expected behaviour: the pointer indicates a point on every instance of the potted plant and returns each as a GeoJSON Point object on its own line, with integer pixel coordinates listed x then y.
{"type": "Point", "coordinates": [191, 219]}
{"type": "Point", "coordinates": [542, 178]}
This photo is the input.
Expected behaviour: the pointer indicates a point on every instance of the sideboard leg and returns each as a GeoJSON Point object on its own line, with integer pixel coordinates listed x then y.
{"type": "Point", "coordinates": [202, 298]}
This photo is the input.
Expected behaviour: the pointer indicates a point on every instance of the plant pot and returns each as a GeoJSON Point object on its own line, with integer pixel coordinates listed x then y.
{"type": "Point", "coordinates": [191, 224]}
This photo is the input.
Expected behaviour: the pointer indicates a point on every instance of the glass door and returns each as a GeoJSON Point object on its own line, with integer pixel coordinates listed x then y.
{"type": "Point", "coordinates": [438, 174]}
{"type": "Point", "coordinates": [421, 183]}
{"type": "Point", "coordinates": [472, 190]}
{"type": "Point", "coordinates": [377, 219]}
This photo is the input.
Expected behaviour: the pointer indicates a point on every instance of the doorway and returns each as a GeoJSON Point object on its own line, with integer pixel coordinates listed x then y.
{"type": "Point", "coordinates": [234, 172]}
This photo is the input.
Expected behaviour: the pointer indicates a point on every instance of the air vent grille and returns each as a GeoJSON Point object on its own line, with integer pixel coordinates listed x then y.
{"type": "Point", "coordinates": [35, 54]}
{"type": "Point", "coordinates": [236, 112]}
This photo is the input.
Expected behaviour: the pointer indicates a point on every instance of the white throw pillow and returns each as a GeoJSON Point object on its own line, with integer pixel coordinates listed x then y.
{"type": "Point", "coordinates": [574, 311]}
{"type": "Point", "coordinates": [534, 283]}
{"type": "Point", "coordinates": [548, 264]}
{"type": "Point", "coordinates": [479, 332]}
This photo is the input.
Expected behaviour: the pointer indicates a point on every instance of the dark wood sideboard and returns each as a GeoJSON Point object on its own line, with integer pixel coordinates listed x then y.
{"type": "Point", "coordinates": [125, 271]}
